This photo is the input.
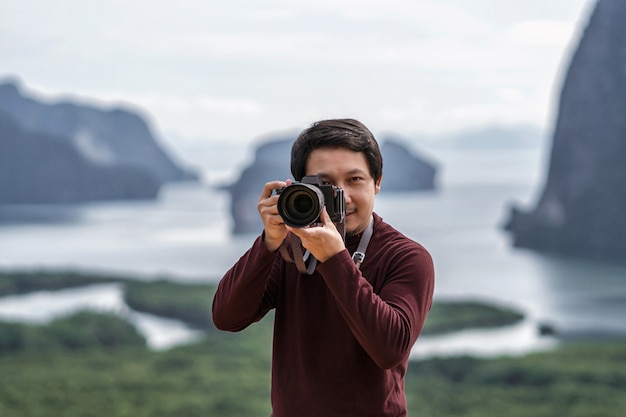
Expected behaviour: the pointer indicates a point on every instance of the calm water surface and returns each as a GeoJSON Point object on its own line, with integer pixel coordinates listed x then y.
{"type": "Point", "coordinates": [185, 235]}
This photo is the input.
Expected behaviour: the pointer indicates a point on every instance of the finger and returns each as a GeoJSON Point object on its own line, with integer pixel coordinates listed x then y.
{"type": "Point", "coordinates": [294, 230]}
{"type": "Point", "coordinates": [275, 220]}
{"type": "Point", "coordinates": [269, 188]}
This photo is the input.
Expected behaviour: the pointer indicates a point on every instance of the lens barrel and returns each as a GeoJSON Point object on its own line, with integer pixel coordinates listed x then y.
{"type": "Point", "coordinates": [300, 204]}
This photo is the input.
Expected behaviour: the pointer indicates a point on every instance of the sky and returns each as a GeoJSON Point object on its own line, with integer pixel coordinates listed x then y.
{"type": "Point", "coordinates": [231, 71]}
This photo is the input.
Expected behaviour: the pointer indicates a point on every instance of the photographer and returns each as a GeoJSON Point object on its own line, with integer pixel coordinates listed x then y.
{"type": "Point", "coordinates": [343, 331]}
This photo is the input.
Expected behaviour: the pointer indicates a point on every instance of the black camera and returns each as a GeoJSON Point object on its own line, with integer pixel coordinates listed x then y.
{"type": "Point", "coordinates": [300, 204]}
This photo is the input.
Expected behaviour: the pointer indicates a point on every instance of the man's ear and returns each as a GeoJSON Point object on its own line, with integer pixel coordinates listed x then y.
{"type": "Point", "coordinates": [377, 185]}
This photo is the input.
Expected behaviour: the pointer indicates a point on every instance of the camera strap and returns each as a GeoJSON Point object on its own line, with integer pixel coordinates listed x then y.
{"type": "Point", "coordinates": [359, 255]}
{"type": "Point", "coordinates": [300, 258]}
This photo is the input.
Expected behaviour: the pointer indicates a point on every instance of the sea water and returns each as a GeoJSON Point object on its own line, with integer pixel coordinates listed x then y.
{"type": "Point", "coordinates": [185, 235]}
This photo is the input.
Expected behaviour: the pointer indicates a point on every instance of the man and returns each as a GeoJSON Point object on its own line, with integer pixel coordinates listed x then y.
{"type": "Point", "coordinates": [342, 335]}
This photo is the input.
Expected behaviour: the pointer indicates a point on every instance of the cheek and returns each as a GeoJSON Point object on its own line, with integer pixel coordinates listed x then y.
{"type": "Point", "coordinates": [357, 199]}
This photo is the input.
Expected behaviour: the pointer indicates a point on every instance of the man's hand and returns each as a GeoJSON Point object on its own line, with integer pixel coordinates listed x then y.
{"type": "Point", "coordinates": [275, 230]}
{"type": "Point", "coordinates": [322, 241]}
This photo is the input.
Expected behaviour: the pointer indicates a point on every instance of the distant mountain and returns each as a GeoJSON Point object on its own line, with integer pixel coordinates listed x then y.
{"type": "Point", "coordinates": [67, 152]}
{"type": "Point", "coordinates": [582, 207]}
{"type": "Point", "coordinates": [40, 168]}
{"type": "Point", "coordinates": [403, 168]}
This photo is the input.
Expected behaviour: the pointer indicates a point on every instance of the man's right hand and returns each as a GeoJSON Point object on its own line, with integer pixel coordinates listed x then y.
{"type": "Point", "coordinates": [275, 230]}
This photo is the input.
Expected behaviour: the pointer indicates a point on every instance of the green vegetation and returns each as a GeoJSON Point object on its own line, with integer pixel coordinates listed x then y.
{"type": "Point", "coordinates": [447, 316]}
{"type": "Point", "coordinates": [190, 303]}
{"type": "Point", "coordinates": [80, 331]}
{"type": "Point", "coordinates": [96, 365]}
{"type": "Point", "coordinates": [579, 380]}
{"type": "Point", "coordinates": [207, 380]}
{"type": "Point", "coordinates": [22, 282]}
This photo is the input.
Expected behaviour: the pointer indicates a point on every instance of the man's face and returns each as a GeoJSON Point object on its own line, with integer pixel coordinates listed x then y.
{"type": "Point", "coordinates": [348, 170]}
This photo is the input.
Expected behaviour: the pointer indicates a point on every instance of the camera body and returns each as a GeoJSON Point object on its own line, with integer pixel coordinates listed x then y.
{"type": "Point", "coordinates": [300, 204]}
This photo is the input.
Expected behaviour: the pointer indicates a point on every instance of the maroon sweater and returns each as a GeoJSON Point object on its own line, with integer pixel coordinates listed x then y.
{"type": "Point", "coordinates": [342, 336]}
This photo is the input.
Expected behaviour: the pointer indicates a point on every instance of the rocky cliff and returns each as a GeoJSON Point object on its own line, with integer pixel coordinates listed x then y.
{"type": "Point", "coordinates": [403, 170]}
{"type": "Point", "coordinates": [66, 152]}
{"type": "Point", "coordinates": [39, 168]}
{"type": "Point", "coordinates": [583, 204]}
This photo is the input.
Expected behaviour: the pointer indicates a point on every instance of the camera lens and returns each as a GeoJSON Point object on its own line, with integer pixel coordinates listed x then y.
{"type": "Point", "coordinates": [300, 204]}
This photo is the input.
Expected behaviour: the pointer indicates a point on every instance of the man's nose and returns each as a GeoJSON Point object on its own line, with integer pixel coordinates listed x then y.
{"type": "Point", "coordinates": [346, 196]}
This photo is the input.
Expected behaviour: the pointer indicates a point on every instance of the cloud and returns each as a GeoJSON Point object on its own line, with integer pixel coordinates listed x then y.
{"type": "Point", "coordinates": [243, 67]}
{"type": "Point", "coordinates": [202, 104]}
{"type": "Point", "coordinates": [540, 33]}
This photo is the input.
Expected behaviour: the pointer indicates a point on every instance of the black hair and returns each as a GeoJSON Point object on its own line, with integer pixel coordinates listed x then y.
{"type": "Point", "coordinates": [336, 133]}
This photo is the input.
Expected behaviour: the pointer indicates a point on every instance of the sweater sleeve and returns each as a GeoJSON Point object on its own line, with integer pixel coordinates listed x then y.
{"type": "Point", "coordinates": [386, 324]}
{"type": "Point", "coordinates": [244, 294]}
